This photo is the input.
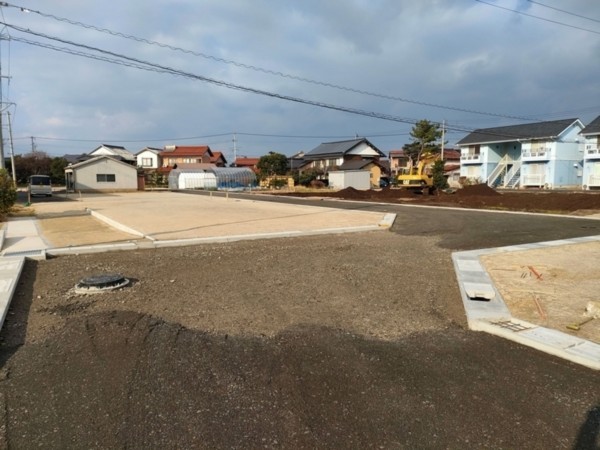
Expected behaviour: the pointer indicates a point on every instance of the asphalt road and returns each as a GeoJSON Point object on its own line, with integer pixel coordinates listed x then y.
{"type": "Point", "coordinates": [121, 377]}
{"type": "Point", "coordinates": [458, 229]}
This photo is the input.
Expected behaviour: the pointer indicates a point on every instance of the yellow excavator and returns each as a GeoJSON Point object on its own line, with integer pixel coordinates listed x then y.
{"type": "Point", "coordinates": [419, 176]}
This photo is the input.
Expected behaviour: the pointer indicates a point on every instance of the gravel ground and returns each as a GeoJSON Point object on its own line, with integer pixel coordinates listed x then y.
{"type": "Point", "coordinates": [339, 341]}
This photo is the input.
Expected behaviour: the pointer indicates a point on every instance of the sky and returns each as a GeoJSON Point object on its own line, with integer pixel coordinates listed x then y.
{"type": "Point", "coordinates": [249, 77]}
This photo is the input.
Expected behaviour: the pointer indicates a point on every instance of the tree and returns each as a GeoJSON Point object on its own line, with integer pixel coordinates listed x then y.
{"type": "Point", "coordinates": [8, 193]}
{"type": "Point", "coordinates": [424, 136]}
{"type": "Point", "coordinates": [34, 163]}
{"type": "Point", "coordinates": [272, 164]}
{"type": "Point", "coordinates": [57, 170]}
{"type": "Point", "coordinates": [437, 172]}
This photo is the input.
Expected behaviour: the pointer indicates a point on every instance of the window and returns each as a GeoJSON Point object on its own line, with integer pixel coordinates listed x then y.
{"type": "Point", "coordinates": [146, 162]}
{"type": "Point", "coordinates": [105, 178]}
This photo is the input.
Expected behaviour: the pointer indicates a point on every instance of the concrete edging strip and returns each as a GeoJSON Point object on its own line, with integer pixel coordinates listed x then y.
{"type": "Point", "coordinates": [113, 223]}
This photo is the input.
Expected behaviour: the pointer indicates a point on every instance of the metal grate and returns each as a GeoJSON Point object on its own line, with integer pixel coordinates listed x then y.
{"type": "Point", "coordinates": [25, 253]}
{"type": "Point", "coordinates": [510, 325]}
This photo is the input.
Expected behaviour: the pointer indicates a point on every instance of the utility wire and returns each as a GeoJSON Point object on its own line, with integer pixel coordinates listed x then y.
{"type": "Point", "coordinates": [144, 65]}
{"type": "Point", "coordinates": [538, 17]}
{"type": "Point", "coordinates": [263, 70]}
{"type": "Point", "coordinates": [563, 11]}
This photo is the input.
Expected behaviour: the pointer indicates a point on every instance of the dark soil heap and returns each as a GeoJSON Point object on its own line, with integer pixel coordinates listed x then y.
{"type": "Point", "coordinates": [477, 189]}
{"type": "Point", "coordinates": [477, 196]}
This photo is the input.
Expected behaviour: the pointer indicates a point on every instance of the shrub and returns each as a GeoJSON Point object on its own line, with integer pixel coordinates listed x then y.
{"type": "Point", "coordinates": [8, 192]}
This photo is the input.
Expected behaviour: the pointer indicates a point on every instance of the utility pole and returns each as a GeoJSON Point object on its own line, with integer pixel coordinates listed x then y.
{"type": "Point", "coordinates": [443, 137]}
{"type": "Point", "coordinates": [12, 151]}
{"type": "Point", "coordinates": [234, 147]}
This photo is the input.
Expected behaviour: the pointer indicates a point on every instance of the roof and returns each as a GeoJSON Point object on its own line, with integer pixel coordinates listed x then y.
{"type": "Point", "coordinates": [156, 151]}
{"type": "Point", "coordinates": [243, 161]}
{"type": "Point", "coordinates": [116, 150]}
{"type": "Point", "coordinates": [194, 166]}
{"type": "Point", "coordinates": [216, 156]}
{"type": "Point", "coordinates": [74, 159]}
{"type": "Point", "coordinates": [450, 153]}
{"type": "Point", "coordinates": [96, 159]}
{"type": "Point", "coordinates": [336, 149]}
{"type": "Point", "coordinates": [177, 150]}
{"type": "Point", "coordinates": [396, 154]}
{"type": "Point", "coordinates": [593, 127]}
{"type": "Point", "coordinates": [538, 130]}
{"type": "Point", "coordinates": [357, 164]}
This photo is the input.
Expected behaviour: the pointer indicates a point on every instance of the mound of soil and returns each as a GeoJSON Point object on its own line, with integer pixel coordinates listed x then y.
{"type": "Point", "coordinates": [478, 196]}
{"type": "Point", "coordinates": [477, 189]}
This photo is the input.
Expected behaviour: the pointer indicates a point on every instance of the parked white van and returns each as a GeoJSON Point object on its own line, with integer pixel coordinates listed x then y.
{"type": "Point", "coordinates": [40, 185]}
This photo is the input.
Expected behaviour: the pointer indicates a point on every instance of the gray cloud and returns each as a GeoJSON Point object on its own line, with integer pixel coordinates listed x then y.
{"type": "Point", "coordinates": [458, 53]}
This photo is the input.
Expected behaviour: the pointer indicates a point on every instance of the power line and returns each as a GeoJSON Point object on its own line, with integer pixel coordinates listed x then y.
{"type": "Point", "coordinates": [152, 67]}
{"type": "Point", "coordinates": [538, 17]}
{"type": "Point", "coordinates": [563, 11]}
{"type": "Point", "coordinates": [263, 70]}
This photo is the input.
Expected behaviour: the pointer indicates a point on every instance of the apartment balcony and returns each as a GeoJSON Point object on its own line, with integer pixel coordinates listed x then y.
{"type": "Point", "coordinates": [540, 154]}
{"type": "Point", "coordinates": [470, 159]}
{"type": "Point", "coordinates": [592, 152]}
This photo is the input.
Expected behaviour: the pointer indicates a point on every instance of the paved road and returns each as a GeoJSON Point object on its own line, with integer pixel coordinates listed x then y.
{"type": "Point", "coordinates": [128, 379]}
{"type": "Point", "coordinates": [460, 229]}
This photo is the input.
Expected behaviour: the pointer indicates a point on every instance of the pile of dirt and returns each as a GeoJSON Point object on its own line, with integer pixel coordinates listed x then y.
{"type": "Point", "coordinates": [477, 189]}
{"type": "Point", "coordinates": [478, 196]}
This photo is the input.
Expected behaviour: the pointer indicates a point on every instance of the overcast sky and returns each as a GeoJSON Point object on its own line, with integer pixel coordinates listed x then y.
{"type": "Point", "coordinates": [441, 60]}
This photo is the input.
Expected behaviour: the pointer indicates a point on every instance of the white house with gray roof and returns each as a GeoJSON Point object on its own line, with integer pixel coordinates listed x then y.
{"type": "Point", "coordinates": [116, 152]}
{"type": "Point", "coordinates": [591, 154]}
{"type": "Point", "coordinates": [331, 155]}
{"type": "Point", "coordinates": [542, 154]}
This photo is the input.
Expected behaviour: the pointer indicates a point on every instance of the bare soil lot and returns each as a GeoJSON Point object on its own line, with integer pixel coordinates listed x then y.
{"type": "Point", "coordinates": [337, 341]}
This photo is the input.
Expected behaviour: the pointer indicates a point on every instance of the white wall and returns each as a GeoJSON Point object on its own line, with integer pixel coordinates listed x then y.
{"type": "Point", "coordinates": [145, 155]}
{"type": "Point", "coordinates": [357, 179]}
{"type": "Point", "coordinates": [85, 177]}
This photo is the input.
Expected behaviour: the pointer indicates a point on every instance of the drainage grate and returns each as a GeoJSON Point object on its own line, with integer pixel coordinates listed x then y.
{"type": "Point", "coordinates": [101, 283]}
{"type": "Point", "coordinates": [512, 326]}
{"type": "Point", "coordinates": [25, 253]}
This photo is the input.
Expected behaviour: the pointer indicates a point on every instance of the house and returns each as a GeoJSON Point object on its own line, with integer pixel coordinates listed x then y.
{"type": "Point", "coordinates": [541, 154]}
{"type": "Point", "coordinates": [101, 173]}
{"type": "Point", "coordinates": [243, 161]}
{"type": "Point", "coordinates": [591, 154]}
{"type": "Point", "coordinates": [332, 155]}
{"type": "Point", "coordinates": [296, 161]}
{"type": "Point", "coordinates": [149, 158]}
{"type": "Point", "coordinates": [116, 151]}
{"type": "Point", "coordinates": [218, 159]}
{"type": "Point", "coordinates": [399, 162]}
{"type": "Point", "coordinates": [173, 155]}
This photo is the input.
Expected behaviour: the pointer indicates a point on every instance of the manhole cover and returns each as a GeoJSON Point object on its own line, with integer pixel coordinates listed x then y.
{"type": "Point", "coordinates": [101, 283]}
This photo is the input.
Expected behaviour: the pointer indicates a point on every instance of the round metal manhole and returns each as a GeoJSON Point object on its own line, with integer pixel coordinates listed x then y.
{"type": "Point", "coordinates": [101, 283]}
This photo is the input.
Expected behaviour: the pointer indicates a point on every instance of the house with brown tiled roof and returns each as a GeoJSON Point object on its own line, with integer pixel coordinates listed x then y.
{"type": "Point", "coordinates": [179, 154]}
{"type": "Point", "coordinates": [251, 163]}
{"type": "Point", "coordinates": [218, 159]}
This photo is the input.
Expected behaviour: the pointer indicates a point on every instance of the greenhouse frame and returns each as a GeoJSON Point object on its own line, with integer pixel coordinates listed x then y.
{"type": "Point", "coordinates": [213, 178]}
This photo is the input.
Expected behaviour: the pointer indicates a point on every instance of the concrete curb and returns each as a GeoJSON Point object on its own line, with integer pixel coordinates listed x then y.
{"type": "Point", "coordinates": [113, 223]}
{"type": "Point", "coordinates": [10, 271]}
{"type": "Point", "coordinates": [494, 317]}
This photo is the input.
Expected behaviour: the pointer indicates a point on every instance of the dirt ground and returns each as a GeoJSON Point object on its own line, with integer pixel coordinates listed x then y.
{"type": "Point", "coordinates": [550, 287]}
{"type": "Point", "coordinates": [337, 341]}
{"type": "Point", "coordinates": [479, 197]}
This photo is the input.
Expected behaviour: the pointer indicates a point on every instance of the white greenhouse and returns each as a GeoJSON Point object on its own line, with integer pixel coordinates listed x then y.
{"type": "Point", "coordinates": [213, 178]}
